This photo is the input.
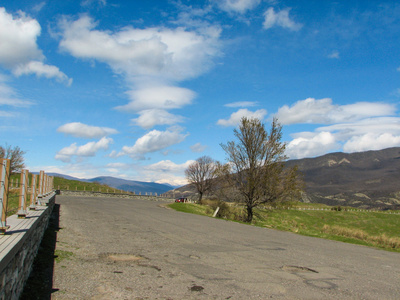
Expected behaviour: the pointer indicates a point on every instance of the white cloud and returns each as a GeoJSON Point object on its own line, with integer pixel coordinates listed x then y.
{"type": "Point", "coordinates": [150, 117]}
{"type": "Point", "coordinates": [40, 69]}
{"type": "Point", "coordinates": [242, 104]}
{"type": "Point", "coordinates": [198, 147]}
{"type": "Point", "coordinates": [322, 111]}
{"type": "Point", "coordinates": [372, 141]}
{"type": "Point", "coordinates": [19, 50]}
{"type": "Point", "coordinates": [281, 19]}
{"type": "Point", "coordinates": [237, 6]}
{"type": "Point", "coordinates": [237, 116]}
{"type": "Point", "coordinates": [152, 60]}
{"type": "Point", "coordinates": [173, 54]}
{"type": "Point", "coordinates": [161, 97]}
{"type": "Point", "coordinates": [154, 140]}
{"type": "Point", "coordinates": [88, 150]}
{"type": "Point", "coordinates": [78, 129]}
{"type": "Point", "coordinates": [18, 39]}
{"type": "Point", "coordinates": [311, 144]}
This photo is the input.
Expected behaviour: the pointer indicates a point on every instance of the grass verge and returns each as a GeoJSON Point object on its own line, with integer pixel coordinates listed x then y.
{"type": "Point", "coordinates": [375, 229]}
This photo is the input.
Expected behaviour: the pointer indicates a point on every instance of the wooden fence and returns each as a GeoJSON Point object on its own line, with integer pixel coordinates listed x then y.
{"type": "Point", "coordinates": [25, 192]}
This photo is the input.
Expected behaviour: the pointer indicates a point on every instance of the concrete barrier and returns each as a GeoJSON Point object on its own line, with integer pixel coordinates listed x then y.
{"type": "Point", "coordinates": [19, 246]}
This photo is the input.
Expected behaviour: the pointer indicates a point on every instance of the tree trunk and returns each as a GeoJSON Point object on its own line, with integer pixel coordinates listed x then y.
{"type": "Point", "coordinates": [249, 213]}
{"type": "Point", "coordinates": [200, 197]}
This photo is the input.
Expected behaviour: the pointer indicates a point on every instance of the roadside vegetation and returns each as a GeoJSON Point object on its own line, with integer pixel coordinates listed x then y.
{"type": "Point", "coordinates": [375, 229]}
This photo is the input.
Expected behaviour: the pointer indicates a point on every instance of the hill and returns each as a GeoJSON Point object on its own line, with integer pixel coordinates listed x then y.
{"type": "Point", "coordinates": [365, 179]}
{"type": "Point", "coordinates": [132, 186]}
{"type": "Point", "coordinates": [122, 184]}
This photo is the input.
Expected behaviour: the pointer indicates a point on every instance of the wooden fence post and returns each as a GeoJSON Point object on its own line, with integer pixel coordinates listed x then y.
{"type": "Point", "coordinates": [4, 177]}
{"type": "Point", "coordinates": [40, 191]}
{"type": "Point", "coordinates": [23, 191]}
{"type": "Point", "coordinates": [32, 205]}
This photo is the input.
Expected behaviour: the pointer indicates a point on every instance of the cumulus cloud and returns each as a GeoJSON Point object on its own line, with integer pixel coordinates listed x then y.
{"type": "Point", "coordinates": [154, 140]}
{"type": "Point", "coordinates": [158, 97]}
{"type": "Point", "coordinates": [281, 19]}
{"type": "Point", "coordinates": [198, 148]}
{"type": "Point", "coordinates": [322, 111]}
{"type": "Point", "coordinates": [88, 150]}
{"type": "Point", "coordinates": [371, 141]}
{"type": "Point", "coordinates": [353, 127]}
{"type": "Point", "coordinates": [237, 116]}
{"type": "Point", "coordinates": [80, 130]}
{"type": "Point", "coordinates": [311, 144]}
{"type": "Point", "coordinates": [41, 70]}
{"type": "Point", "coordinates": [18, 35]}
{"type": "Point", "coordinates": [174, 54]}
{"type": "Point", "coordinates": [152, 60]}
{"type": "Point", "coordinates": [19, 51]}
{"type": "Point", "coordinates": [237, 6]}
{"type": "Point", "coordinates": [150, 117]}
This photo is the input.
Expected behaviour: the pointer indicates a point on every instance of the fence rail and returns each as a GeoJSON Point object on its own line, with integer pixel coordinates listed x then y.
{"type": "Point", "coordinates": [21, 191]}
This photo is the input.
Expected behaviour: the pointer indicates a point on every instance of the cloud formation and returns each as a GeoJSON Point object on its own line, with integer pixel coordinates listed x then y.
{"type": "Point", "coordinates": [322, 111]}
{"type": "Point", "coordinates": [88, 150]}
{"type": "Point", "coordinates": [80, 130]}
{"type": "Point", "coordinates": [153, 141]}
{"type": "Point", "coordinates": [19, 51]}
{"type": "Point", "coordinates": [244, 112]}
{"type": "Point", "coordinates": [152, 60]}
{"type": "Point", "coordinates": [150, 117]}
{"type": "Point", "coordinates": [281, 19]}
{"type": "Point", "coordinates": [353, 127]}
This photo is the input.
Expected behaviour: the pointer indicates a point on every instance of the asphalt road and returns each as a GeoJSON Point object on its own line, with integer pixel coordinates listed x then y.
{"type": "Point", "coordinates": [126, 249]}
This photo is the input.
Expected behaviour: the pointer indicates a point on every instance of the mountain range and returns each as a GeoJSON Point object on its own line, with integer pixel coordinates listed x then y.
{"type": "Point", "coordinates": [123, 184]}
{"type": "Point", "coordinates": [368, 179]}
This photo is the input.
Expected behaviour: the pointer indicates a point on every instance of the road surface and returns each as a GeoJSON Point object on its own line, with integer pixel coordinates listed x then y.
{"type": "Point", "coordinates": [128, 249]}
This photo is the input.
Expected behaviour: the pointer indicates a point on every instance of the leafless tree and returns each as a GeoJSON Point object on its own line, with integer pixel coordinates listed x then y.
{"type": "Point", "coordinates": [256, 165]}
{"type": "Point", "coordinates": [201, 174]}
{"type": "Point", "coordinates": [15, 155]}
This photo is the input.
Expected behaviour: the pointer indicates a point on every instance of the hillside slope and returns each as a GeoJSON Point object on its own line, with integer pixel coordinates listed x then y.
{"type": "Point", "coordinates": [368, 179]}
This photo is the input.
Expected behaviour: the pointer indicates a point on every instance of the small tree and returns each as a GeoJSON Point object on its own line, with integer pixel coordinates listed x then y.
{"type": "Point", "coordinates": [201, 174]}
{"type": "Point", "coordinates": [256, 163]}
{"type": "Point", "coordinates": [15, 155]}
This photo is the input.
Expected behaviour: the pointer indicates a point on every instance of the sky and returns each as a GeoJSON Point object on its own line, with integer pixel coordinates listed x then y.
{"type": "Point", "coordinates": [140, 89]}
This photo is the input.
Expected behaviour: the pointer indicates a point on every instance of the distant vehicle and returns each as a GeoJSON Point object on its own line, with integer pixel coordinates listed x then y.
{"type": "Point", "coordinates": [181, 200]}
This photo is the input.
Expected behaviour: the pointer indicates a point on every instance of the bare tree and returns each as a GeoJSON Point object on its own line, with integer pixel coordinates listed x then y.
{"type": "Point", "coordinates": [256, 165]}
{"type": "Point", "coordinates": [201, 174]}
{"type": "Point", "coordinates": [15, 155]}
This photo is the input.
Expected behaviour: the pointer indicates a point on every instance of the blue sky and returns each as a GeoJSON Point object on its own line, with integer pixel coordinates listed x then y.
{"type": "Point", "coordinates": [140, 89]}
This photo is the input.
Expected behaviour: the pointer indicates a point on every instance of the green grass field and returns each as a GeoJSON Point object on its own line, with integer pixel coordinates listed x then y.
{"type": "Point", "coordinates": [375, 229]}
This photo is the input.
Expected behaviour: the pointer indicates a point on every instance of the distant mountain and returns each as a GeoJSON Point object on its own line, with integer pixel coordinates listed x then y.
{"type": "Point", "coordinates": [133, 186]}
{"type": "Point", "coordinates": [123, 184]}
{"type": "Point", "coordinates": [368, 179]}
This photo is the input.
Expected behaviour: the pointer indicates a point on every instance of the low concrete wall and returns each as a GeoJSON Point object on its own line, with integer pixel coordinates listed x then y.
{"type": "Point", "coordinates": [19, 247]}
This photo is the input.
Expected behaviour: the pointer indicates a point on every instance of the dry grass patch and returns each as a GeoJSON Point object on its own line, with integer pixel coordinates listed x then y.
{"type": "Point", "coordinates": [379, 240]}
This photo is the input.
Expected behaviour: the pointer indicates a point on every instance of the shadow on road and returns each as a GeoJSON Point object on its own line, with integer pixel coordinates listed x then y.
{"type": "Point", "coordinates": [40, 281]}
